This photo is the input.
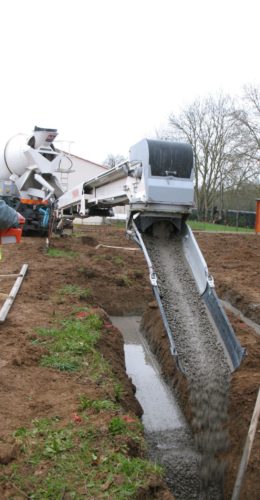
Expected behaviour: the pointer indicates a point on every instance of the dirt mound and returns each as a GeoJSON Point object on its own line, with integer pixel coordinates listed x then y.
{"type": "Point", "coordinates": [233, 260]}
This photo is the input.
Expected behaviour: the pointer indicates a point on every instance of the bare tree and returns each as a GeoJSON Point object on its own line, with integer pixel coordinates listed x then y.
{"type": "Point", "coordinates": [113, 160]}
{"type": "Point", "coordinates": [212, 127]}
{"type": "Point", "coordinates": [207, 124]}
{"type": "Point", "coordinates": [248, 121]}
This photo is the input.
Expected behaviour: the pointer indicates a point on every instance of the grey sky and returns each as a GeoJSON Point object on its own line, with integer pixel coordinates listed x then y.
{"type": "Point", "coordinates": [107, 73]}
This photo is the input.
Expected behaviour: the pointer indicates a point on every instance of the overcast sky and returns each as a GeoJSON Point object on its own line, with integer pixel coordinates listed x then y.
{"type": "Point", "coordinates": [107, 73]}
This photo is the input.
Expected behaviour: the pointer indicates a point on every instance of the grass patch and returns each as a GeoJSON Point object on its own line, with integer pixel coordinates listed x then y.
{"type": "Point", "coordinates": [79, 460]}
{"type": "Point", "coordinates": [118, 260]}
{"type": "Point", "coordinates": [61, 362]}
{"type": "Point", "coordinates": [117, 426]}
{"type": "Point", "coordinates": [207, 226]}
{"type": "Point", "coordinates": [97, 404]}
{"type": "Point", "coordinates": [72, 347]}
{"type": "Point", "coordinates": [123, 280]}
{"type": "Point", "coordinates": [100, 257]}
{"type": "Point", "coordinates": [118, 391]}
{"type": "Point", "coordinates": [76, 291]}
{"type": "Point", "coordinates": [72, 344]}
{"type": "Point", "coordinates": [56, 252]}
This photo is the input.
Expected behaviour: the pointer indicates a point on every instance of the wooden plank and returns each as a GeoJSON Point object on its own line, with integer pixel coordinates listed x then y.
{"type": "Point", "coordinates": [247, 450]}
{"type": "Point", "coordinates": [9, 275]}
{"type": "Point", "coordinates": [11, 297]}
{"type": "Point", "coordinates": [133, 249]}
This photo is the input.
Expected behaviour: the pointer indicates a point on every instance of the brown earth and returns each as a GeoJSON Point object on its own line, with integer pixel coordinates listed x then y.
{"type": "Point", "coordinates": [115, 280]}
{"type": "Point", "coordinates": [234, 261]}
{"type": "Point", "coordinates": [118, 283]}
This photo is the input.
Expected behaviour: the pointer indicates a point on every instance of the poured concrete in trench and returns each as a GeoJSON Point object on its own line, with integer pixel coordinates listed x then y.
{"type": "Point", "coordinates": [168, 436]}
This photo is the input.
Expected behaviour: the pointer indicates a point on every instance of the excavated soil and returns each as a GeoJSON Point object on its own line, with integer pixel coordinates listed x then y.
{"type": "Point", "coordinates": [234, 262]}
{"type": "Point", "coordinates": [118, 283]}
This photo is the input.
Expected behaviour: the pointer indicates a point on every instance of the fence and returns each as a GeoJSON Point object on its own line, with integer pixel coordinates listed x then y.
{"type": "Point", "coordinates": [237, 218]}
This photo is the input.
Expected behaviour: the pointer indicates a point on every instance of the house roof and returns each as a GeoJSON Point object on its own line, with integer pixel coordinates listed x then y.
{"type": "Point", "coordinates": [105, 167]}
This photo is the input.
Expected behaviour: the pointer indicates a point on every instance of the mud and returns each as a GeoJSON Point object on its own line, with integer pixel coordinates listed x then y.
{"type": "Point", "coordinates": [200, 353]}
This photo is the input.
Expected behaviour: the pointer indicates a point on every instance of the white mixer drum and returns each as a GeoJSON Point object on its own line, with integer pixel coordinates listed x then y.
{"type": "Point", "coordinates": [12, 157]}
{"type": "Point", "coordinates": [14, 161]}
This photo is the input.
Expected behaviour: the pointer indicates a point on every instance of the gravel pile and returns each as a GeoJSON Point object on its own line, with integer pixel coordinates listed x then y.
{"type": "Point", "coordinates": [175, 451]}
{"type": "Point", "coordinates": [200, 353]}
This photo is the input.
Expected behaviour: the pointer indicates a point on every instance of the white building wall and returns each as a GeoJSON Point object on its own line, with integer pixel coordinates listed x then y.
{"type": "Point", "coordinates": [83, 170]}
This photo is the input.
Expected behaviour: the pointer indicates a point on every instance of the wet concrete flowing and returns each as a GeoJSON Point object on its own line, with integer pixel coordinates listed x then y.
{"type": "Point", "coordinates": [169, 439]}
{"type": "Point", "coordinates": [200, 352]}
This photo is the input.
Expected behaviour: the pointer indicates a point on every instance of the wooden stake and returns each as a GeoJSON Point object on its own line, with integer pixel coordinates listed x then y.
{"type": "Point", "coordinates": [9, 301]}
{"type": "Point", "coordinates": [247, 450]}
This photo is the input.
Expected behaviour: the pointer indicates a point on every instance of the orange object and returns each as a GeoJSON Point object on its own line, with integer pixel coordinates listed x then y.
{"type": "Point", "coordinates": [76, 418]}
{"type": "Point", "coordinates": [257, 219]}
{"type": "Point", "coordinates": [29, 201]}
{"type": "Point", "coordinates": [128, 419]}
{"type": "Point", "coordinates": [82, 314]}
{"type": "Point", "coordinates": [12, 235]}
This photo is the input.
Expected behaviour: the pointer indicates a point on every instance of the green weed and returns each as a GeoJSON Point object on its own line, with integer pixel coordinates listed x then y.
{"type": "Point", "coordinates": [20, 433]}
{"type": "Point", "coordinates": [118, 391]}
{"type": "Point", "coordinates": [57, 252]}
{"type": "Point", "coordinates": [118, 260]}
{"type": "Point", "coordinates": [117, 426]}
{"type": "Point", "coordinates": [99, 370]}
{"type": "Point", "coordinates": [76, 291]}
{"type": "Point", "coordinates": [101, 257]}
{"type": "Point", "coordinates": [77, 461]}
{"type": "Point", "coordinates": [97, 404]}
{"type": "Point", "coordinates": [71, 343]}
{"type": "Point", "coordinates": [57, 441]}
{"type": "Point", "coordinates": [60, 362]}
{"type": "Point", "coordinates": [123, 280]}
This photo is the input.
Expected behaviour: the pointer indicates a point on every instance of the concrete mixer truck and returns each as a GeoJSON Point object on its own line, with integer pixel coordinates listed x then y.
{"type": "Point", "coordinates": [28, 184]}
